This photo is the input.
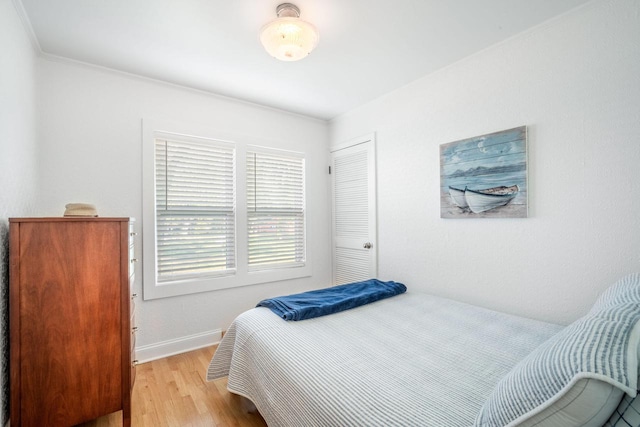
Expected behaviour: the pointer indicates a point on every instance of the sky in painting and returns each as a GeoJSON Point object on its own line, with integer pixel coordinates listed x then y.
{"type": "Point", "coordinates": [485, 161]}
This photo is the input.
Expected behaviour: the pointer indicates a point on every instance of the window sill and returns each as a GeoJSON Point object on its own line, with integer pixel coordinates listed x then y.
{"type": "Point", "coordinates": [207, 284]}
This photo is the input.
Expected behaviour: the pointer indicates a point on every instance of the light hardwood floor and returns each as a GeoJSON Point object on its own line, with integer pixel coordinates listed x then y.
{"type": "Point", "coordinates": [173, 392]}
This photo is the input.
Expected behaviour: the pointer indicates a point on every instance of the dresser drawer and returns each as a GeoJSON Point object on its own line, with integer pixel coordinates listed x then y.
{"type": "Point", "coordinates": [132, 263]}
{"type": "Point", "coordinates": [134, 362]}
{"type": "Point", "coordinates": [132, 233]}
{"type": "Point", "coordinates": [132, 305]}
{"type": "Point", "coordinates": [132, 252]}
{"type": "Point", "coordinates": [134, 332]}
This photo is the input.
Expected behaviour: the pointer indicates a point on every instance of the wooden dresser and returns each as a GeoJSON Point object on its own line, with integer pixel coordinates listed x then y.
{"type": "Point", "coordinates": [71, 319]}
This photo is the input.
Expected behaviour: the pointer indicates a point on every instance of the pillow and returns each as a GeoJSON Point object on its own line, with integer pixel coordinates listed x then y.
{"type": "Point", "coordinates": [601, 346]}
{"type": "Point", "coordinates": [588, 403]}
{"type": "Point", "coordinates": [624, 290]}
{"type": "Point", "coordinates": [628, 411]}
{"type": "Point", "coordinates": [626, 414]}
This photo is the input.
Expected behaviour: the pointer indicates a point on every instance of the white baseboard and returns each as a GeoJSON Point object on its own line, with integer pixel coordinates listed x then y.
{"type": "Point", "coordinates": [147, 353]}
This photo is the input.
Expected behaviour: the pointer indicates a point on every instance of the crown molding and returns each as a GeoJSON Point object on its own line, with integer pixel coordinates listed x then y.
{"type": "Point", "coordinates": [26, 23]}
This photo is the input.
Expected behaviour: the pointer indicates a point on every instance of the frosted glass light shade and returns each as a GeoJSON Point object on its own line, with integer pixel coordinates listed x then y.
{"type": "Point", "coordinates": [288, 38]}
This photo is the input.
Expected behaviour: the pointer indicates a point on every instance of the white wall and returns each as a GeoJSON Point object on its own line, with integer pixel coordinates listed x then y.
{"type": "Point", "coordinates": [90, 148]}
{"type": "Point", "coordinates": [18, 167]}
{"type": "Point", "coordinates": [574, 81]}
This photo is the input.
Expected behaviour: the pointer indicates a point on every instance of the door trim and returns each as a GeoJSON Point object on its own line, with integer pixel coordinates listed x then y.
{"type": "Point", "coordinates": [356, 141]}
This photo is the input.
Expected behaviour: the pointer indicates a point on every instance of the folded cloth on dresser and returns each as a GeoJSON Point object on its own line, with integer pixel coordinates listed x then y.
{"type": "Point", "coordinates": [321, 302]}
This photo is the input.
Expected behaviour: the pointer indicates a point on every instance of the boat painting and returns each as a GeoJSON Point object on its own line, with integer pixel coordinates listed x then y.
{"type": "Point", "coordinates": [485, 176]}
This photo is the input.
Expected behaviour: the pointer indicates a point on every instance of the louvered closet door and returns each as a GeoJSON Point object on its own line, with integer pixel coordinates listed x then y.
{"type": "Point", "coordinates": [354, 211]}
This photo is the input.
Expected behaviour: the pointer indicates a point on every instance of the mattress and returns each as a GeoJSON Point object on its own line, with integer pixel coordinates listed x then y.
{"type": "Point", "coordinates": [413, 359]}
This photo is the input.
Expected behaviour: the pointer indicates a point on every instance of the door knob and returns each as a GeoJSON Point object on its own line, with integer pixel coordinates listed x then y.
{"type": "Point", "coordinates": [367, 245]}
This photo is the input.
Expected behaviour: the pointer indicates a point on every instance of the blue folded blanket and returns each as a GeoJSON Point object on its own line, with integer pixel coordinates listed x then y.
{"type": "Point", "coordinates": [331, 300]}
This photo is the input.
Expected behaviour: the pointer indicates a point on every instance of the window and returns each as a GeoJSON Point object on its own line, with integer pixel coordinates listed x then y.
{"type": "Point", "coordinates": [275, 210]}
{"type": "Point", "coordinates": [195, 209]}
{"type": "Point", "coordinates": [219, 211]}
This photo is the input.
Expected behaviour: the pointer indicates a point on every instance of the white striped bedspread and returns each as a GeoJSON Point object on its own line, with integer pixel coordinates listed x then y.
{"type": "Point", "coordinates": [410, 360]}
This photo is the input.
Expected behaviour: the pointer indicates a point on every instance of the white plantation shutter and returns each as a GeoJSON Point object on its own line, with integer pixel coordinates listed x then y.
{"type": "Point", "coordinates": [275, 210]}
{"type": "Point", "coordinates": [195, 209]}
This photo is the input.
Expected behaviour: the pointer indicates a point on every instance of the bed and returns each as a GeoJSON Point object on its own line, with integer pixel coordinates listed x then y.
{"type": "Point", "coordinates": [417, 359]}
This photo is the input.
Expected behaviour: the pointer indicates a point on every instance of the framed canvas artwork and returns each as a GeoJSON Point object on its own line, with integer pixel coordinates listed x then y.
{"type": "Point", "coordinates": [485, 176]}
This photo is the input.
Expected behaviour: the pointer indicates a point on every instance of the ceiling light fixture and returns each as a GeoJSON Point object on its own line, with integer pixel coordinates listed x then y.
{"type": "Point", "coordinates": [288, 38]}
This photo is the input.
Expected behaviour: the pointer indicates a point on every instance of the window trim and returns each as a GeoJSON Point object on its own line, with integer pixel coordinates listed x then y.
{"type": "Point", "coordinates": [164, 208]}
{"type": "Point", "coordinates": [152, 289]}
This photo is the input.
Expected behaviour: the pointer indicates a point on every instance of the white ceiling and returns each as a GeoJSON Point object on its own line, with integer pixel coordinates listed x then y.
{"type": "Point", "coordinates": [367, 47]}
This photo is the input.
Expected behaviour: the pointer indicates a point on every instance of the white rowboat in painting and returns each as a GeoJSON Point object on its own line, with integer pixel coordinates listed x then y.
{"type": "Point", "coordinates": [489, 198]}
{"type": "Point", "coordinates": [457, 195]}
{"type": "Point", "coordinates": [483, 200]}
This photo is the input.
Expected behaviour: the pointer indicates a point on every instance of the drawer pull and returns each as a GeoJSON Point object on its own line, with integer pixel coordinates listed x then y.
{"type": "Point", "coordinates": [134, 329]}
{"type": "Point", "coordinates": [134, 296]}
{"type": "Point", "coordinates": [133, 233]}
{"type": "Point", "coordinates": [134, 260]}
{"type": "Point", "coordinates": [134, 363]}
